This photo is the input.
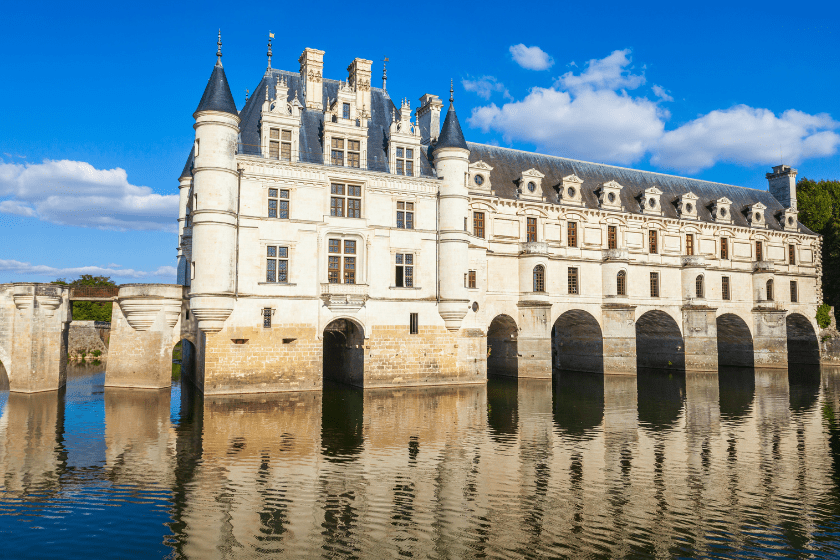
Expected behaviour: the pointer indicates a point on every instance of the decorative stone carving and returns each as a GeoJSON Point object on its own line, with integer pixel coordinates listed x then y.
{"type": "Point", "coordinates": [530, 185]}
{"type": "Point", "coordinates": [346, 298]}
{"type": "Point", "coordinates": [570, 190]}
{"type": "Point", "coordinates": [789, 218]}
{"type": "Point", "coordinates": [687, 206]}
{"type": "Point", "coordinates": [142, 304]}
{"type": "Point", "coordinates": [609, 196]}
{"type": "Point", "coordinates": [755, 215]}
{"type": "Point", "coordinates": [650, 201]}
{"type": "Point", "coordinates": [480, 176]}
{"type": "Point", "coordinates": [721, 210]}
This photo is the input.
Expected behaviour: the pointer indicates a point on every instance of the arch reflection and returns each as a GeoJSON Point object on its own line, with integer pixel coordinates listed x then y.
{"type": "Point", "coordinates": [578, 403]}
{"type": "Point", "coordinates": [661, 398]}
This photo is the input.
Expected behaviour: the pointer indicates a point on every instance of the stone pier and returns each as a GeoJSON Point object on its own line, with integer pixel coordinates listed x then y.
{"type": "Point", "coordinates": [619, 339]}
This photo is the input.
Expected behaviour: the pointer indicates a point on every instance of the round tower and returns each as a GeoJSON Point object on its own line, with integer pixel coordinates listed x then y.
{"type": "Point", "coordinates": [452, 162]}
{"type": "Point", "coordinates": [215, 182]}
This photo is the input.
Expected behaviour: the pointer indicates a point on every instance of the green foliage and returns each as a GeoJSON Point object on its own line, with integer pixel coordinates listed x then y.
{"type": "Point", "coordinates": [819, 210]}
{"type": "Point", "coordinates": [90, 310]}
{"type": "Point", "coordinates": [97, 353]}
{"type": "Point", "coordinates": [824, 316]}
{"type": "Point", "coordinates": [176, 362]}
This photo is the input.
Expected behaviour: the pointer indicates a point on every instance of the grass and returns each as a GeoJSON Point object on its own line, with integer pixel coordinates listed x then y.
{"type": "Point", "coordinates": [176, 362]}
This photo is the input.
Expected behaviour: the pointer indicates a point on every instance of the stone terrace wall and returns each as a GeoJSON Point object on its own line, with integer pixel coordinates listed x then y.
{"type": "Point", "coordinates": [87, 337]}
{"type": "Point", "coordinates": [830, 342]}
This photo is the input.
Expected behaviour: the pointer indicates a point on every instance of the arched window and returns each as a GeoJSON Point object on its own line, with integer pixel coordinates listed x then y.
{"type": "Point", "coordinates": [770, 290]}
{"type": "Point", "coordinates": [698, 287]}
{"type": "Point", "coordinates": [539, 278]}
{"type": "Point", "coordinates": [621, 283]}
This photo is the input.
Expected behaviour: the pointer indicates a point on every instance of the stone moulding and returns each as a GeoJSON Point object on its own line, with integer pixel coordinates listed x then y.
{"type": "Point", "coordinates": [142, 303]}
{"type": "Point", "coordinates": [620, 255]}
{"type": "Point", "coordinates": [764, 266]}
{"type": "Point", "coordinates": [693, 261]}
{"type": "Point", "coordinates": [348, 298]}
{"type": "Point", "coordinates": [533, 248]}
{"type": "Point", "coordinates": [453, 312]}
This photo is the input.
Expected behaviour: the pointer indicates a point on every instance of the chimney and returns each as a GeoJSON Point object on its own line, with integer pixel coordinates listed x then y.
{"type": "Point", "coordinates": [312, 75]}
{"type": "Point", "coordinates": [428, 115]}
{"type": "Point", "coordinates": [783, 185]}
{"type": "Point", "coordinates": [359, 79]}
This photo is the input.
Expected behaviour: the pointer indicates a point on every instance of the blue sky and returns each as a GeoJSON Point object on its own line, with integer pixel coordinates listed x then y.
{"type": "Point", "coordinates": [98, 98]}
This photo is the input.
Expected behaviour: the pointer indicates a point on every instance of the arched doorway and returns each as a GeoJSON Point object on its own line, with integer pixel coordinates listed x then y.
{"type": "Point", "coordinates": [734, 342]}
{"type": "Point", "coordinates": [802, 344]}
{"type": "Point", "coordinates": [659, 342]}
{"type": "Point", "coordinates": [183, 361]}
{"type": "Point", "coordinates": [502, 351]}
{"type": "Point", "coordinates": [577, 343]}
{"type": "Point", "coordinates": [344, 358]}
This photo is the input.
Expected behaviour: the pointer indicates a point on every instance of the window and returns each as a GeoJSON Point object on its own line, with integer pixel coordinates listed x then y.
{"type": "Point", "coordinates": [794, 291]}
{"type": "Point", "coordinates": [266, 317]}
{"type": "Point", "coordinates": [277, 265]}
{"type": "Point", "coordinates": [286, 145]}
{"type": "Point", "coordinates": [791, 254]}
{"type": "Point", "coordinates": [274, 143]}
{"type": "Point", "coordinates": [572, 231]}
{"type": "Point", "coordinates": [280, 144]}
{"type": "Point", "coordinates": [341, 253]}
{"type": "Point", "coordinates": [352, 202]}
{"type": "Point", "coordinates": [413, 323]}
{"type": "Point", "coordinates": [405, 215]}
{"type": "Point", "coordinates": [278, 203]}
{"type": "Point", "coordinates": [770, 290]}
{"type": "Point", "coordinates": [612, 237]}
{"type": "Point", "coordinates": [653, 246]}
{"type": "Point", "coordinates": [471, 279]}
{"type": "Point", "coordinates": [346, 111]}
{"type": "Point", "coordinates": [478, 224]}
{"type": "Point", "coordinates": [759, 253]}
{"type": "Point", "coordinates": [573, 281]}
{"type": "Point", "coordinates": [621, 283]}
{"type": "Point", "coordinates": [724, 248]}
{"type": "Point", "coordinates": [724, 288]}
{"type": "Point", "coordinates": [689, 244]}
{"type": "Point", "coordinates": [405, 161]}
{"type": "Point", "coordinates": [405, 270]}
{"type": "Point", "coordinates": [337, 152]}
{"type": "Point", "coordinates": [192, 276]}
{"type": "Point", "coordinates": [531, 231]}
{"type": "Point", "coordinates": [654, 284]}
{"type": "Point", "coordinates": [354, 154]}
{"type": "Point", "coordinates": [539, 278]}
{"type": "Point", "coordinates": [699, 289]}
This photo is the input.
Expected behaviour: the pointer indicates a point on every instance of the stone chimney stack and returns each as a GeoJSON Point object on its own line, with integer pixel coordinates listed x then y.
{"type": "Point", "coordinates": [428, 116]}
{"type": "Point", "coordinates": [783, 185]}
{"type": "Point", "coordinates": [312, 75]}
{"type": "Point", "coordinates": [359, 79]}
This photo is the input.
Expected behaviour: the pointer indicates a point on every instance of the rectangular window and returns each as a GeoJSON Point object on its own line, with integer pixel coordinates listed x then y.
{"type": "Point", "coordinates": [274, 143]}
{"type": "Point", "coordinates": [794, 291]}
{"type": "Point", "coordinates": [341, 261]}
{"type": "Point", "coordinates": [612, 237]}
{"type": "Point", "coordinates": [478, 224]}
{"type": "Point", "coordinates": [405, 215]}
{"type": "Point", "coordinates": [531, 231]}
{"type": "Point", "coordinates": [337, 152]}
{"type": "Point", "coordinates": [791, 255]}
{"type": "Point", "coordinates": [471, 279]}
{"type": "Point", "coordinates": [573, 280]}
{"type": "Point", "coordinates": [346, 111]}
{"type": "Point", "coordinates": [354, 154]}
{"type": "Point", "coordinates": [404, 270]}
{"type": "Point", "coordinates": [349, 262]}
{"type": "Point", "coordinates": [404, 161]}
{"type": "Point", "coordinates": [337, 200]}
{"type": "Point", "coordinates": [413, 323]}
{"type": "Point", "coordinates": [277, 265]}
{"type": "Point", "coordinates": [724, 288]}
{"type": "Point", "coordinates": [278, 203]}
{"type": "Point", "coordinates": [267, 318]}
{"type": "Point", "coordinates": [689, 244]}
{"type": "Point", "coordinates": [572, 231]}
{"type": "Point", "coordinates": [354, 201]}
{"type": "Point", "coordinates": [654, 284]}
{"type": "Point", "coordinates": [349, 200]}
{"type": "Point", "coordinates": [759, 251]}
{"type": "Point", "coordinates": [653, 245]}
{"type": "Point", "coordinates": [286, 145]}
{"type": "Point", "coordinates": [724, 248]}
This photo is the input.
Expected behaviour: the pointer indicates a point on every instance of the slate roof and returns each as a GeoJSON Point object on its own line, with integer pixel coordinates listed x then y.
{"type": "Point", "coordinates": [188, 166]}
{"type": "Point", "coordinates": [217, 96]}
{"type": "Point", "coordinates": [508, 165]}
{"type": "Point", "coordinates": [312, 123]}
{"type": "Point", "coordinates": [450, 133]}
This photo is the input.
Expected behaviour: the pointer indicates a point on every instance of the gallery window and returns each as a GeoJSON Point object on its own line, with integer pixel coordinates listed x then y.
{"type": "Point", "coordinates": [724, 248]}
{"type": "Point", "coordinates": [770, 290]}
{"type": "Point", "coordinates": [471, 283]}
{"type": "Point", "coordinates": [612, 237]}
{"type": "Point", "coordinates": [653, 245]}
{"type": "Point", "coordinates": [794, 291]}
{"type": "Point", "coordinates": [277, 264]}
{"type": "Point", "coordinates": [725, 289]}
{"type": "Point", "coordinates": [791, 254]}
{"type": "Point", "coordinates": [759, 251]}
{"type": "Point", "coordinates": [572, 234]}
{"type": "Point", "coordinates": [689, 244]}
{"type": "Point", "coordinates": [531, 230]}
{"type": "Point", "coordinates": [699, 288]}
{"type": "Point", "coordinates": [478, 224]}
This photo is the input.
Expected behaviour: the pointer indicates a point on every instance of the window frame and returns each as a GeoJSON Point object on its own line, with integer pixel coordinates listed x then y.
{"type": "Point", "coordinates": [689, 244]}
{"type": "Point", "coordinates": [343, 263]}
{"type": "Point", "coordinates": [759, 251]}
{"type": "Point", "coordinates": [266, 316]}
{"type": "Point", "coordinates": [539, 279]}
{"type": "Point", "coordinates": [405, 216]}
{"type": "Point", "coordinates": [768, 290]}
{"type": "Point", "coordinates": [404, 161]}
{"type": "Point", "coordinates": [653, 242]}
{"type": "Point", "coordinates": [621, 283]}
{"type": "Point", "coordinates": [573, 281]}
{"type": "Point", "coordinates": [612, 237]}
{"type": "Point", "coordinates": [478, 224]}
{"type": "Point", "coordinates": [571, 234]}
{"type": "Point", "coordinates": [654, 285]}
{"type": "Point", "coordinates": [791, 254]}
{"type": "Point", "coordinates": [725, 288]}
{"type": "Point", "coordinates": [282, 201]}
{"type": "Point", "coordinates": [794, 291]}
{"type": "Point", "coordinates": [724, 248]}
{"type": "Point", "coordinates": [279, 258]}
{"type": "Point", "coordinates": [530, 230]}
{"type": "Point", "coordinates": [471, 280]}
{"type": "Point", "coordinates": [350, 205]}
{"type": "Point", "coordinates": [337, 151]}
{"type": "Point", "coordinates": [413, 323]}
{"type": "Point", "coordinates": [700, 287]}
{"type": "Point", "coordinates": [404, 270]}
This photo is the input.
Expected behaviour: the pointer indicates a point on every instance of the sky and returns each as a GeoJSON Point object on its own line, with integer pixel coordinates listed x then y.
{"type": "Point", "coordinates": [97, 99]}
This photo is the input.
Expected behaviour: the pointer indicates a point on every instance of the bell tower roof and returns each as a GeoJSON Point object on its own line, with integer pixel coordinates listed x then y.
{"type": "Point", "coordinates": [217, 95]}
{"type": "Point", "coordinates": [450, 134]}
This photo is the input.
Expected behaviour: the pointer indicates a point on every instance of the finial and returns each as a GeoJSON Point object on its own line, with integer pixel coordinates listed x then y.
{"type": "Point", "coordinates": [451, 92]}
{"type": "Point", "coordinates": [246, 95]}
{"type": "Point", "coordinates": [384, 73]}
{"type": "Point", "coordinates": [270, 37]}
{"type": "Point", "coordinates": [219, 50]}
{"type": "Point", "coordinates": [393, 115]}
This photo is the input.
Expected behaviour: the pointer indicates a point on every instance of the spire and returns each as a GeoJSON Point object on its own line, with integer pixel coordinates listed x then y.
{"type": "Point", "coordinates": [384, 73]}
{"type": "Point", "coordinates": [217, 95]}
{"type": "Point", "coordinates": [270, 37]}
{"type": "Point", "coordinates": [450, 134]}
{"type": "Point", "coordinates": [247, 92]}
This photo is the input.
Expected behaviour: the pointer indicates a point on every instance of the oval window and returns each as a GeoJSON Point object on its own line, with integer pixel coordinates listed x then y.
{"type": "Point", "coordinates": [790, 220]}
{"type": "Point", "coordinates": [757, 217]}
{"type": "Point", "coordinates": [479, 180]}
{"type": "Point", "coordinates": [572, 192]}
{"type": "Point", "coordinates": [611, 197]}
{"type": "Point", "coordinates": [652, 202]}
{"type": "Point", "coordinates": [532, 186]}
{"type": "Point", "coordinates": [723, 212]}
{"type": "Point", "coordinates": [475, 306]}
{"type": "Point", "coordinates": [689, 208]}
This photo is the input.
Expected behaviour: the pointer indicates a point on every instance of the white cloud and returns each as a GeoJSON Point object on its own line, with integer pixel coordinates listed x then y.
{"type": "Point", "coordinates": [592, 116]}
{"type": "Point", "coordinates": [75, 193]}
{"type": "Point", "coordinates": [167, 273]}
{"type": "Point", "coordinates": [486, 86]}
{"type": "Point", "coordinates": [532, 58]}
{"type": "Point", "coordinates": [746, 136]}
{"type": "Point", "coordinates": [661, 93]}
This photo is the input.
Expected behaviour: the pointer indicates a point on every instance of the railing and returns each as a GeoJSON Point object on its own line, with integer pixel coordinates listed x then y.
{"type": "Point", "coordinates": [764, 266]}
{"type": "Point", "coordinates": [691, 261]}
{"type": "Point", "coordinates": [615, 255]}
{"type": "Point", "coordinates": [533, 248]}
{"type": "Point", "coordinates": [79, 292]}
{"type": "Point", "coordinates": [344, 289]}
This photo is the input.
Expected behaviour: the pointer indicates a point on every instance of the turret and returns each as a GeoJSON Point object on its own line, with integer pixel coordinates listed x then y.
{"type": "Point", "coordinates": [184, 228]}
{"type": "Point", "coordinates": [452, 163]}
{"type": "Point", "coordinates": [215, 182]}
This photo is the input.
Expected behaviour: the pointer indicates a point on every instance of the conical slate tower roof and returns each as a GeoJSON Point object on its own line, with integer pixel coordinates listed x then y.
{"type": "Point", "coordinates": [217, 96]}
{"type": "Point", "coordinates": [451, 135]}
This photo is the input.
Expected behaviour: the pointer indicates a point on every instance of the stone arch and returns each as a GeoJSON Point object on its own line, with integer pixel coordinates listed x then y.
{"type": "Point", "coordinates": [802, 344]}
{"type": "Point", "coordinates": [344, 359]}
{"type": "Point", "coordinates": [659, 342]}
{"type": "Point", "coordinates": [502, 349]}
{"type": "Point", "coordinates": [577, 342]}
{"type": "Point", "coordinates": [734, 341]}
{"type": "Point", "coordinates": [5, 369]}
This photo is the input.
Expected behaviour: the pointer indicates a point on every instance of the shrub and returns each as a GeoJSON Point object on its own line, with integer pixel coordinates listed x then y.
{"type": "Point", "coordinates": [824, 316]}
{"type": "Point", "coordinates": [97, 353]}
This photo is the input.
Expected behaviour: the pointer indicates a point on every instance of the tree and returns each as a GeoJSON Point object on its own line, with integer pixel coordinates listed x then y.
{"type": "Point", "coordinates": [819, 211]}
{"type": "Point", "coordinates": [90, 310]}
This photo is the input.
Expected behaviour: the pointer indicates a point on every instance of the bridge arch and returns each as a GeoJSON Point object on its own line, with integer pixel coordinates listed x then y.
{"type": "Point", "coordinates": [502, 349]}
{"type": "Point", "coordinates": [344, 358]}
{"type": "Point", "coordinates": [734, 341]}
{"type": "Point", "coordinates": [577, 342]}
{"type": "Point", "coordinates": [659, 342]}
{"type": "Point", "coordinates": [802, 344]}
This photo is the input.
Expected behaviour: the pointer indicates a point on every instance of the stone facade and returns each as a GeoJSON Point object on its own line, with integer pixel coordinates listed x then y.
{"type": "Point", "coordinates": [85, 338]}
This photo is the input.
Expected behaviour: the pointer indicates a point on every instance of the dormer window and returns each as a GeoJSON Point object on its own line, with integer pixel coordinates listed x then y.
{"type": "Point", "coordinates": [789, 219]}
{"type": "Point", "coordinates": [720, 210]}
{"type": "Point", "coordinates": [569, 190]}
{"type": "Point", "coordinates": [649, 201]}
{"type": "Point", "coordinates": [687, 206]}
{"type": "Point", "coordinates": [345, 111]}
{"type": "Point", "coordinates": [480, 175]}
{"type": "Point", "coordinates": [405, 161]}
{"type": "Point", "coordinates": [280, 144]}
{"type": "Point", "coordinates": [337, 152]}
{"type": "Point", "coordinates": [608, 195]}
{"type": "Point", "coordinates": [530, 184]}
{"type": "Point", "coordinates": [479, 180]}
{"type": "Point", "coordinates": [755, 215]}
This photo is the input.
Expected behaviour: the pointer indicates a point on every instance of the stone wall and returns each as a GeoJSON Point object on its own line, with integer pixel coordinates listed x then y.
{"type": "Point", "coordinates": [86, 337]}
{"type": "Point", "coordinates": [830, 342]}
